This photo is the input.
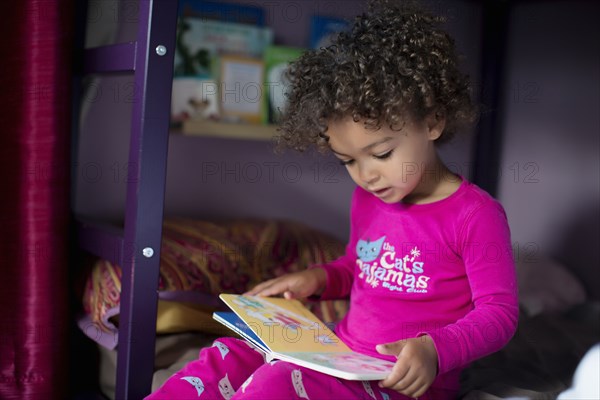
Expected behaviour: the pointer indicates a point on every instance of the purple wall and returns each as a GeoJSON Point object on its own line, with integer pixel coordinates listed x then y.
{"type": "Point", "coordinates": [210, 177]}
{"type": "Point", "coordinates": [550, 168]}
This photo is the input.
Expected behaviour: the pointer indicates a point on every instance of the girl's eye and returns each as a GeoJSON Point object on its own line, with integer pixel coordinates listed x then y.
{"type": "Point", "coordinates": [346, 162]}
{"type": "Point", "coordinates": [385, 155]}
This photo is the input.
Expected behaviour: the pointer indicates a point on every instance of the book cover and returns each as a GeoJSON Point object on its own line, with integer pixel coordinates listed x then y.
{"type": "Point", "coordinates": [193, 98]}
{"type": "Point", "coordinates": [277, 60]}
{"type": "Point", "coordinates": [323, 29]}
{"type": "Point", "coordinates": [200, 42]}
{"type": "Point", "coordinates": [286, 330]}
{"type": "Point", "coordinates": [230, 12]}
{"type": "Point", "coordinates": [241, 91]}
{"type": "Point", "coordinates": [233, 322]}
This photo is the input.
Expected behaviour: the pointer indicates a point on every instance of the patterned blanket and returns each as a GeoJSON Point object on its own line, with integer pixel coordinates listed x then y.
{"type": "Point", "coordinates": [201, 259]}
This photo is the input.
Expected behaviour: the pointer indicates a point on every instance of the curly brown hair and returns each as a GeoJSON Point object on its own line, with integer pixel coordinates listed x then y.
{"type": "Point", "coordinates": [394, 62]}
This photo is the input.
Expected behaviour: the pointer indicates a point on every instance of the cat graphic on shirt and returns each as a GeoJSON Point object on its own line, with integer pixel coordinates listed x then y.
{"type": "Point", "coordinates": [368, 251]}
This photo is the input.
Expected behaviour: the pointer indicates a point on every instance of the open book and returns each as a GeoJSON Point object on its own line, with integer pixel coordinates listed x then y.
{"type": "Point", "coordinates": [286, 330]}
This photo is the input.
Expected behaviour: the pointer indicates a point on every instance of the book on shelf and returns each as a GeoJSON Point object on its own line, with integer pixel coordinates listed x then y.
{"type": "Point", "coordinates": [324, 29]}
{"type": "Point", "coordinates": [230, 12]}
{"type": "Point", "coordinates": [277, 60]}
{"type": "Point", "coordinates": [286, 330]}
{"type": "Point", "coordinates": [200, 42]}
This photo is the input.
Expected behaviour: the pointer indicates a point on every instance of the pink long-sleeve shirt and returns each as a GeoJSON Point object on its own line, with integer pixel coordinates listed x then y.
{"type": "Point", "coordinates": [444, 269]}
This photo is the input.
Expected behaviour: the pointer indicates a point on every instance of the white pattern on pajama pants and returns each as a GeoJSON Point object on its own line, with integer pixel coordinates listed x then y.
{"type": "Point", "coordinates": [232, 369]}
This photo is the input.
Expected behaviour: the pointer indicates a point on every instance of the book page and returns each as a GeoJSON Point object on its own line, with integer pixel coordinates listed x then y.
{"type": "Point", "coordinates": [346, 365]}
{"type": "Point", "coordinates": [284, 325]}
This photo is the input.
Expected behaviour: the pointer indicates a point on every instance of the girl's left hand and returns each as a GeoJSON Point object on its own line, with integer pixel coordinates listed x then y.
{"type": "Point", "coordinates": [416, 367]}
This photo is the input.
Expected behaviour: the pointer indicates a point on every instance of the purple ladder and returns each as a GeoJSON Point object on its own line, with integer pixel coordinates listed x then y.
{"type": "Point", "coordinates": [136, 247]}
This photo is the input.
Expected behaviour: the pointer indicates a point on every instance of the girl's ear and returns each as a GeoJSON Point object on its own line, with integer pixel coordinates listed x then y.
{"type": "Point", "coordinates": [436, 122]}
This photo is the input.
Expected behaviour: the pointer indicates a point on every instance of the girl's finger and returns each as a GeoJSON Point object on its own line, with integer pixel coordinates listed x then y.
{"type": "Point", "coordinates": [401, 386]}
{"type": "Point", "coordinates": [412, 389]}
{"type": "Point", "coordinates": [421, 391]}
{"type": "Point", "coordinates": [258, 288]}
{"type": "Point", "coordinates": [288, 295]}
{"type": "Point", "coordinates": [396, 376]}
{"type": "Point", "coordinates": [276, 287]}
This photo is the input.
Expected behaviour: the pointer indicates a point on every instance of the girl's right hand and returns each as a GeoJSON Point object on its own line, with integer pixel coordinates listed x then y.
{"type": "Point", "coordinates": [292, 286]}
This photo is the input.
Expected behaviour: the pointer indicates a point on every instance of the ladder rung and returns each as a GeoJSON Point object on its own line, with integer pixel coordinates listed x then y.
{"type": "Point", "coordinates": [114, 58]}
{"type": "Point", "coordinates": [105, 241]}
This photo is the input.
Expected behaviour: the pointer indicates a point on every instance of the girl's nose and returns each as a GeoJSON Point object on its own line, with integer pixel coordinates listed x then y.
{"type": "Point", "coordinates": [368, 175]}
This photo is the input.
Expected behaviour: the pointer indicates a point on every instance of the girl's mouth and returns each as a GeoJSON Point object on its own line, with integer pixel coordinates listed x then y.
{"type": "Point", "coordinates": [381, 192]}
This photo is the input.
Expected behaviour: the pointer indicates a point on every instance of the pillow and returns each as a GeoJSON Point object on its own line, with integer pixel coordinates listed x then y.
{"type": "Point", "coordinates": [546, 286]}
{"type": "Point", "coordinates": [202, 259]}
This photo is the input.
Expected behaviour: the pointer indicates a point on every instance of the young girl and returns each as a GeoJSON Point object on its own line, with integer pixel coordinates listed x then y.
{"type": "Point", "coordinates": [428, 266]}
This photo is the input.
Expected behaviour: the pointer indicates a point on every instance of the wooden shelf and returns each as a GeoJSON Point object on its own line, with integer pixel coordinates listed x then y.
{"type": "Point", "coordinates": [228, 130]}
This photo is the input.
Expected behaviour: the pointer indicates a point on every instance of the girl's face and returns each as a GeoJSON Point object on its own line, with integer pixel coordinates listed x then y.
{"type": "Point", "coordinates": [393, 165]}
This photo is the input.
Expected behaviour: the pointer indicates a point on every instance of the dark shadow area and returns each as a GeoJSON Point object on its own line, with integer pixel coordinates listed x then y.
{"type": "Point", "coordinates": [579, 249]}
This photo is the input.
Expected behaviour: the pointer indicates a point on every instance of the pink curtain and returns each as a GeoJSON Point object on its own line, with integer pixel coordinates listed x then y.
{"type": "Point", "coordinates": [35, 55]}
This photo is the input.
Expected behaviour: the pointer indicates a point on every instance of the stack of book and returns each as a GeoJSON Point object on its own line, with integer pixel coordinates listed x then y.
{"type": "Point", "coordinates": [227, 68]}
{"type": "Point", "coordinates": [218, 70]}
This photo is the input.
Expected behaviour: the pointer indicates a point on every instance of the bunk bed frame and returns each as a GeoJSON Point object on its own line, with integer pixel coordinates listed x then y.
{"type": "Point", "coordinates": [135, 247]}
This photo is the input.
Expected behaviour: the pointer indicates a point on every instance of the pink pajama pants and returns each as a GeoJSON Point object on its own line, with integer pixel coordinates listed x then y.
{"type": "Point", "coordinates": [232, 369]}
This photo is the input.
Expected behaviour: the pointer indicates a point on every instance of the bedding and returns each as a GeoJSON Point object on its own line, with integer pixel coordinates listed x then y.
{"type": "Point", "coordinates": [201, 259]}
{"type": "Point", "coordinates": [173, 351]}
{"type": "Point", "coordinates": [557, 326]}
{"type": "Point", "coordinates": [537, 364]}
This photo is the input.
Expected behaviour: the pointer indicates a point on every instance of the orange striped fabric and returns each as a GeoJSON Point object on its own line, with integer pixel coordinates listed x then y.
{"type": "Point", "coordinates": [213, 257]}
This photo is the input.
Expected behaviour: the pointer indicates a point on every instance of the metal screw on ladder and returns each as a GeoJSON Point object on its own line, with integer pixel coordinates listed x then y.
{"type": "Point", "coordinates": [148, 252]}
{"type": "Point", "coordinates": [161, 50]}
